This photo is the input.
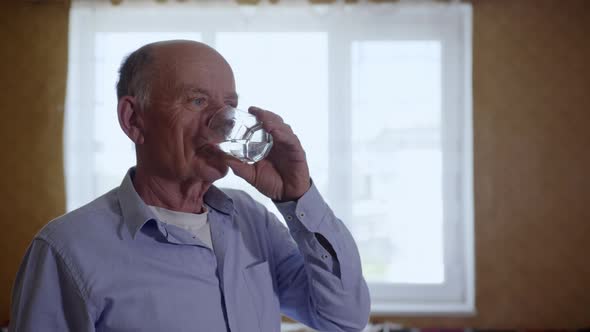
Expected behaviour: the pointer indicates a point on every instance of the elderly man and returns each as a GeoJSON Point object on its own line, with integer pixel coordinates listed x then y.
{"type": "Point", "coordinates": [167, 250]}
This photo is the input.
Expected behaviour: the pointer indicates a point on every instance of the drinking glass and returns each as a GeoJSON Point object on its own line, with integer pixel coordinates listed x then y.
{"type": "Point", "coordinates": [240, 134]}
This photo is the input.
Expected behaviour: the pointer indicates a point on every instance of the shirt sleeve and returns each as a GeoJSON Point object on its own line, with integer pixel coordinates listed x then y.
{"type": "Point", "coordinates": [45, 295]}
{"type": "Point", "coordinates": [319, 278]}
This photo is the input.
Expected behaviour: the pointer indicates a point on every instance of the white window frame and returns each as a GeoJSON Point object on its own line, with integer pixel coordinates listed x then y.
{"type": "Point", "coordinates": [448, 22]}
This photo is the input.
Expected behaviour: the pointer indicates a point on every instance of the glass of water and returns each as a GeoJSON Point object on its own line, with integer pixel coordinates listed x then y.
{"type": "Point", "coordinates": [240, 134]}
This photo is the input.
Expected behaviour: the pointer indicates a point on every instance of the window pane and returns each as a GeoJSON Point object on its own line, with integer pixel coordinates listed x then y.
{"type": "Point", "coordinates": [285, 73]}
{"type": "Point", "coordinates": [397, 160]}
{"type": "Point", "coordinates": [114, 152]}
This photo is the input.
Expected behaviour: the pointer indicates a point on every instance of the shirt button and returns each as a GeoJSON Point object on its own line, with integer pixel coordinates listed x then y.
{"type": "Point", "coordinates": [324, 256]}
{"type": "Point", "coordinates": [289, 217]}
{"type": "Point", "coordinates": [301, 214]}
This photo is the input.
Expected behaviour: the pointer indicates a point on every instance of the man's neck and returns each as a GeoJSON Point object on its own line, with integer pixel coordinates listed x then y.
{"type": "Point", "coordinates": [172, 195]}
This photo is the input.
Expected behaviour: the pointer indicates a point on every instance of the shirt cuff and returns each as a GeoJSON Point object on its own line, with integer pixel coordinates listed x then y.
{"type": "Point", "coordinates": [305, 214]}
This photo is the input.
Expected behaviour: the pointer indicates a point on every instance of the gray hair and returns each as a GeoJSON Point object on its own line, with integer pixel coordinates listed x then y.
{"type": "Point", "coordinates": [134, 75]}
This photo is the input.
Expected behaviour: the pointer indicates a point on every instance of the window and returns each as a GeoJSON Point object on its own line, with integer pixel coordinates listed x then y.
{"type": "Point", "coordinates": [379, 94]}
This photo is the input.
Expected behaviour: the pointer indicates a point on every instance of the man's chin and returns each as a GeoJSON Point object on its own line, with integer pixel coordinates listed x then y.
{"type": "Point", "coordinates": [212, 170]}
{"type": "Point", "coordinates": [213, 160]}
{"type": "Point", "coordinates": [222, 171]}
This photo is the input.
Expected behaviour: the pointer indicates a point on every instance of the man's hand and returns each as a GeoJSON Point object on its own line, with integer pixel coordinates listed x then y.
{"type": "Point", "coordinates": [283, 175]}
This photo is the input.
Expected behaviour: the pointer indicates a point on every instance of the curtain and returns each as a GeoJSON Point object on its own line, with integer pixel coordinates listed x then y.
{"type": "Point", "coordinates": [33, 62]}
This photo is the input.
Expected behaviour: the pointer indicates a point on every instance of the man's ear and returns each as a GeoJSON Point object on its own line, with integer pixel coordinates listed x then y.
{"type": "Point", "coordinates": [131, 119]}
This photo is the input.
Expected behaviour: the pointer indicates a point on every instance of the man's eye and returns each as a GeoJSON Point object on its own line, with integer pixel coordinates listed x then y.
{"type": "Point", "coordinates": [199, 101]}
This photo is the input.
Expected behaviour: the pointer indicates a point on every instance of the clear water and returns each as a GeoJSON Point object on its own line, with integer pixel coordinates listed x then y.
{"type": "Point", "coordinates": [246, 150]}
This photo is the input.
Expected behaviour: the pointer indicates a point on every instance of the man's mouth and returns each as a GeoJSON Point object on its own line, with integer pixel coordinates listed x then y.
{"type": "Point", "coordinates": [211, 150]}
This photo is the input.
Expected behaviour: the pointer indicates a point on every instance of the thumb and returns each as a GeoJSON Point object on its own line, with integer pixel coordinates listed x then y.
{"type": "Point", "coordinates": [241, 169]}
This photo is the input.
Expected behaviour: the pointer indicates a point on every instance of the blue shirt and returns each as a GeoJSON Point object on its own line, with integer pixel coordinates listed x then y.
{"type": "Point", "coordinates": [112, 266]}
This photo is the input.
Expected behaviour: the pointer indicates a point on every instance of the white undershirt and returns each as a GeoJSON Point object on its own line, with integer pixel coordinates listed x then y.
{"type": "Point", "coordinates": [195, 223]}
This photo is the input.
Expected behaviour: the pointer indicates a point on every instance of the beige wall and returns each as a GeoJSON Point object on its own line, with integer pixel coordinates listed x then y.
{"type": "Point", "coordinates": [532, 136]}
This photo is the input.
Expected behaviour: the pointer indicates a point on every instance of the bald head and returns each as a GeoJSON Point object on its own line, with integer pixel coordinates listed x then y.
{"type": "Point", "coordinates": [167, 59]}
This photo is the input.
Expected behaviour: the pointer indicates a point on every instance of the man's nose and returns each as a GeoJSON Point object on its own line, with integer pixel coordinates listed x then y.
{"type": "Point", "coordinates": [213, 135]}
{"type": "Point", "coordinates": [210, 113]}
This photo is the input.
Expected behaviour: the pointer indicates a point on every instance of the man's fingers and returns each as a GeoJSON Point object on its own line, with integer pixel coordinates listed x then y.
{"type": "Point", "coordinates": [285, 137]}
{"type": "Point", "coordinates": [281, 132]}
{"type": "Point", "coordinates": [241, 169]}
{"type": "Point", "coordinates": [271, 126]}
{"type": "Point", "coordinates": [264, 115]}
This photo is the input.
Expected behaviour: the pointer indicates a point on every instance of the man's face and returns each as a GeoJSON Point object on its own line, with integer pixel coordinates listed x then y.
{"type": "Point", "coordinates": [190, 83]}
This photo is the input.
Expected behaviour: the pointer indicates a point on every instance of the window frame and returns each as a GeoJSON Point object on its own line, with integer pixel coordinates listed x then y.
{"type": "Point", "coordinates": [449, 23]}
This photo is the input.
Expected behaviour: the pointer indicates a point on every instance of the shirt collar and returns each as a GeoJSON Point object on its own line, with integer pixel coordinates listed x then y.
{"type": "Point", "coordinates": [136, 213]}
{"type": "Point", "coordinates": [218, 200]}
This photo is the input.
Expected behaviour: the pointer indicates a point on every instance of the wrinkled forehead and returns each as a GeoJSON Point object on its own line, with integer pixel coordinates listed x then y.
{"type": "Point", "coordinates": [199, 67]}
{"type": "Point", "coordinates": [206, 74]}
